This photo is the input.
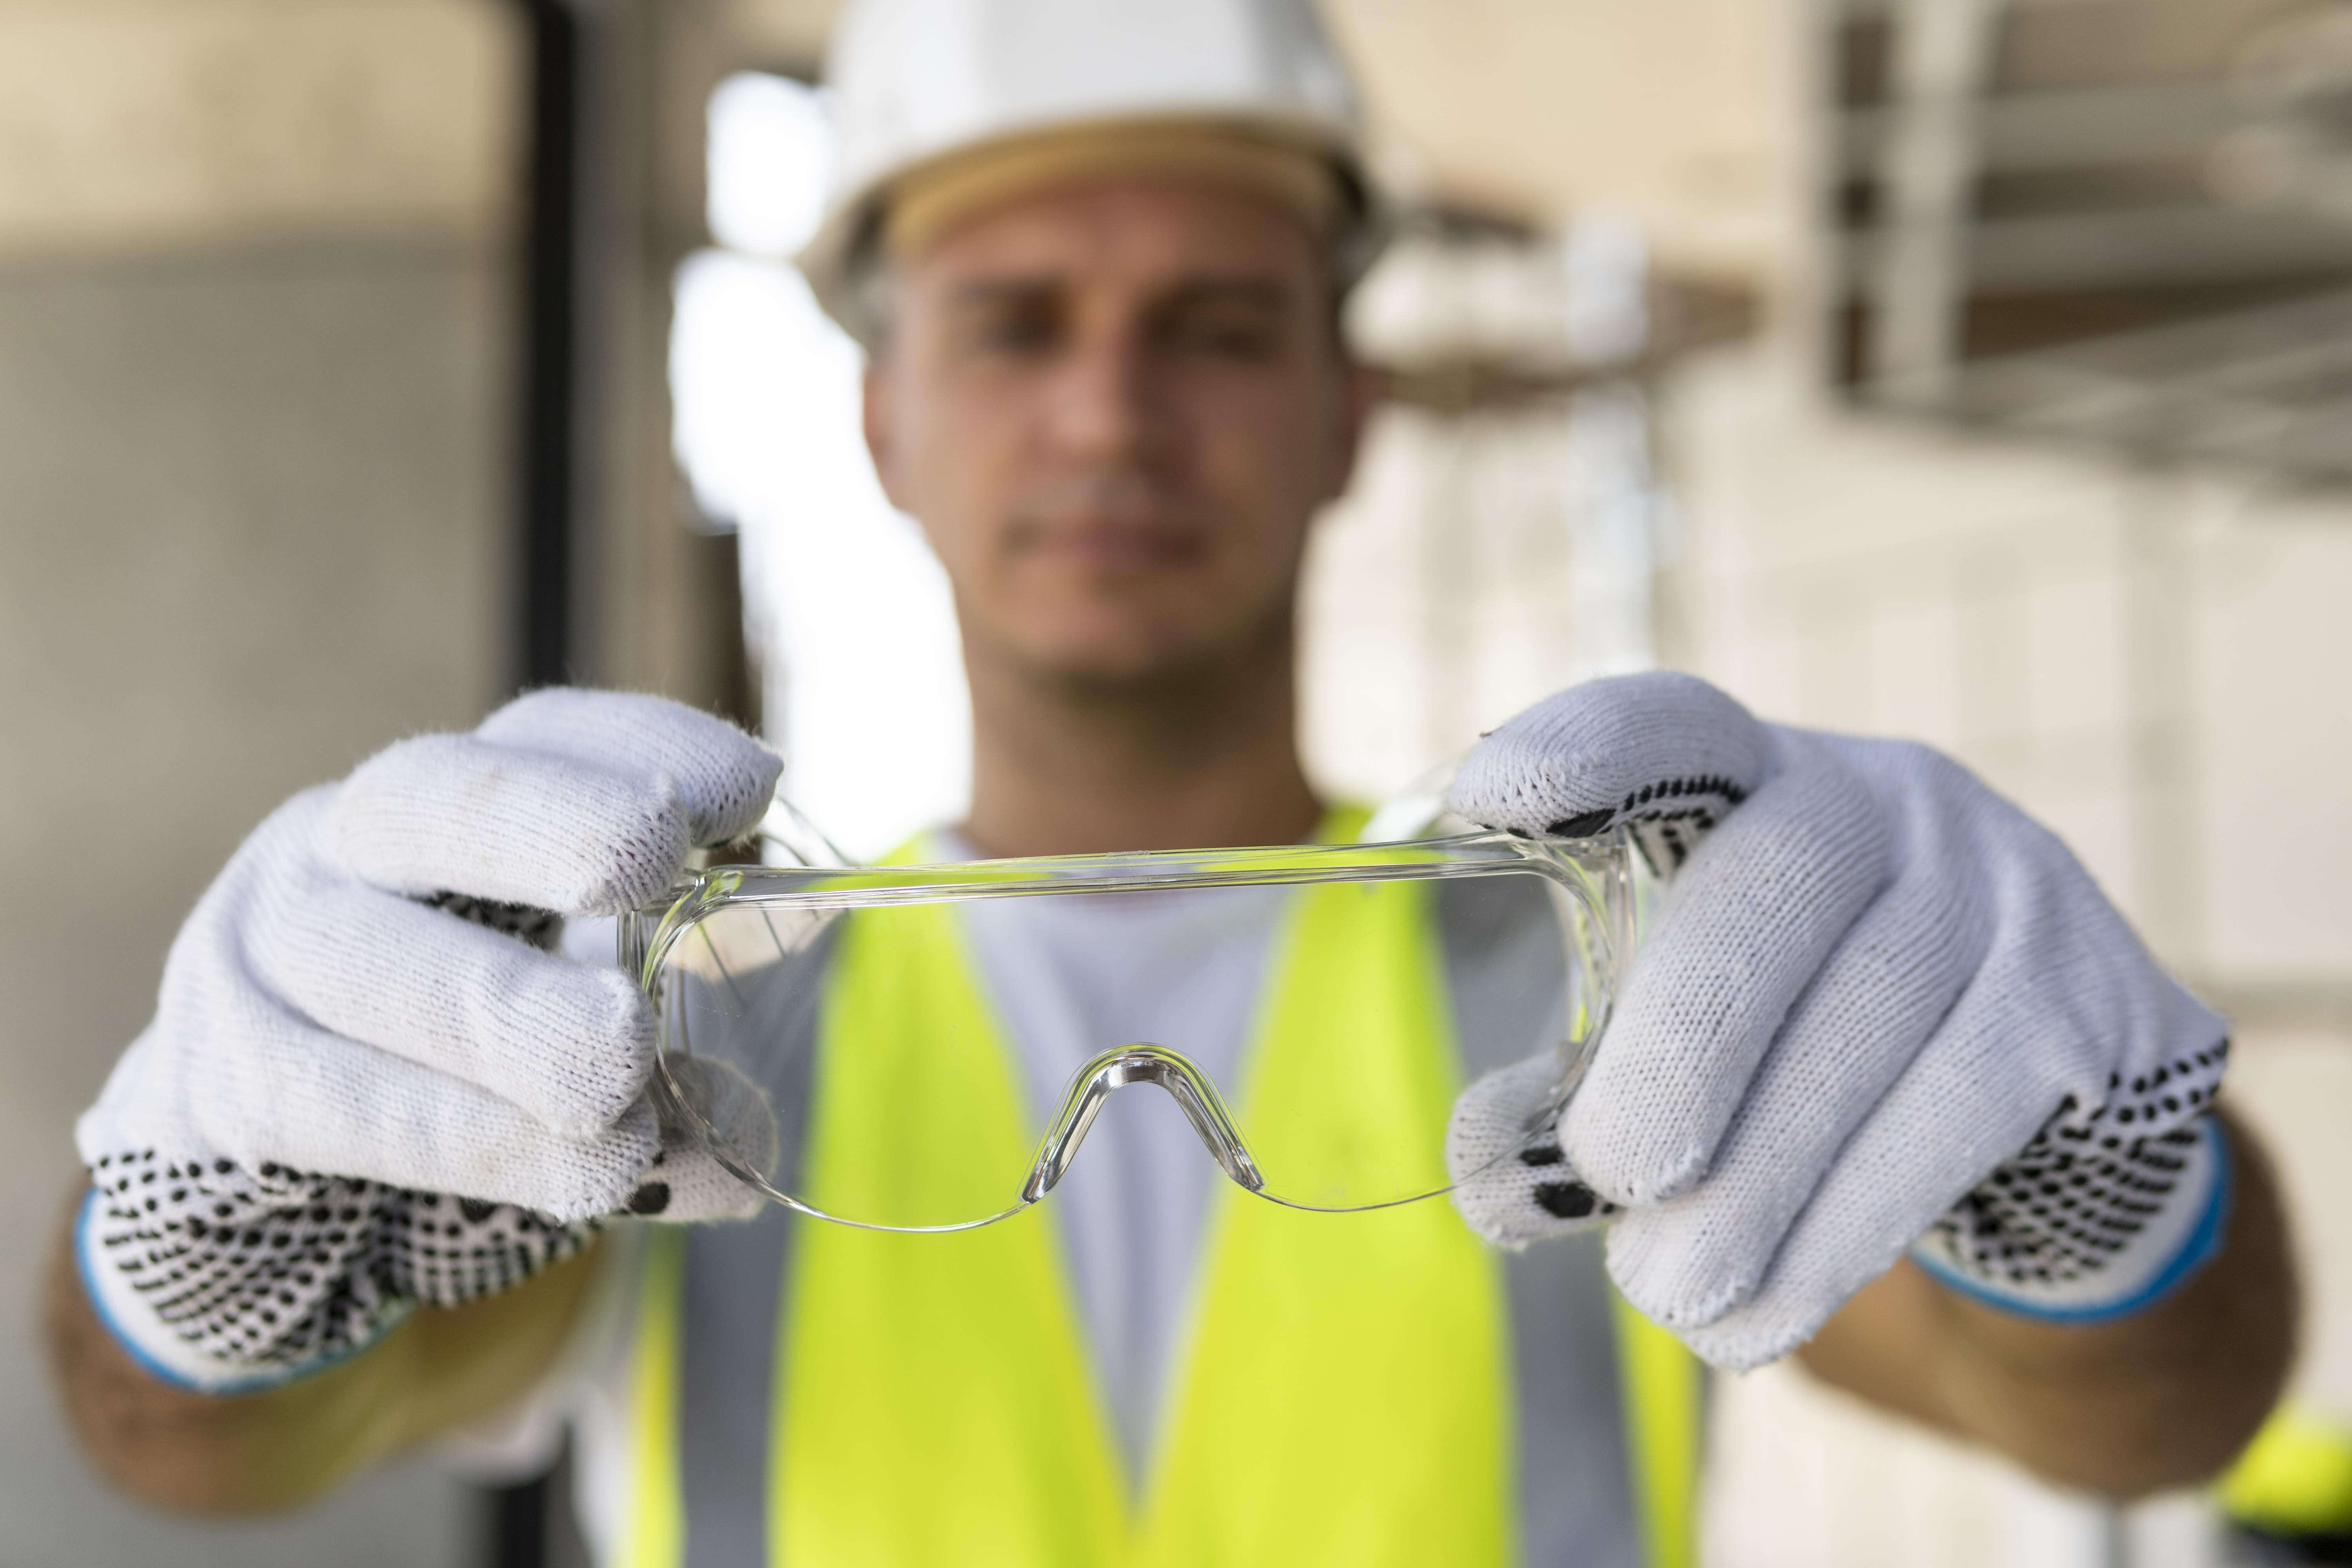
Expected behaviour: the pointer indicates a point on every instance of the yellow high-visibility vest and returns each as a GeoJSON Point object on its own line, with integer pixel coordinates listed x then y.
{"type": "Point", "coordinates": [1344, 1394]}
{"type": "Point", "coordinates": [2294, 1478]}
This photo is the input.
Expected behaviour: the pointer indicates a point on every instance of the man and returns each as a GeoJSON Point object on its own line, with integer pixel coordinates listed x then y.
{"type": "Point", "coordinates": [1883, 1014]}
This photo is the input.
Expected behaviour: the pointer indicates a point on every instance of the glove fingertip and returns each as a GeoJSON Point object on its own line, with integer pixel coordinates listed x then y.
{"type": "Point", "coordinates": [724, 777]}
{"type": "Point", "coordinates": [1666, 1274]}
{"type": "Point", "coordinates": [741, 793]}
{"type": "Point", "coordinates": [1513, 1185]}
{"type": "Point", "coordinates": [1636, 1159]}
{"type": "Point", "coordinates": [689, 1186]}
{"type": "Point", "coordinates": [1732, 1344]}
{"type": "Point", "coordinates": [570, 1180]}
{"type": "Point", "coordinates": [451, 813]}
{"type": "Point", "coordinates": [593, 1086]}
{"type": "Point", "coordinates": [1584, 759]}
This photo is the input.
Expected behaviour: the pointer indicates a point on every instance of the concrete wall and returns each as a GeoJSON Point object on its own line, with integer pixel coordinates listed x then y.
{"type": "Point", "coordinates": [253, 401]}
{"type": "Point", "coordinates": [2146, 661]}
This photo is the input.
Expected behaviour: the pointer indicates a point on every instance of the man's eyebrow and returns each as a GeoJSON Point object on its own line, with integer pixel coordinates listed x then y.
{"type": "Point", "coordinates": [993, 290]}
{"type": "Point", "coordinates": [1259, 291]}
{"type": "Point", "coordinates": [1266, 293]}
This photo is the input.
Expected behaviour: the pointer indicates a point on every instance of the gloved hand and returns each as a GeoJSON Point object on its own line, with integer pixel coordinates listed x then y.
{"type": "Point", "coordinates": [362, 1089]}
{"type": "Point", "coordinates": [1879, 1007]}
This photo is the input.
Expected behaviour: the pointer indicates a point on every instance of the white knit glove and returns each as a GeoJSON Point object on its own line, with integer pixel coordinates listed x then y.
{"type": "Point", "coordinates": [360, 1089]}
{"type": "Point", "coordinates": [1880, 1010]}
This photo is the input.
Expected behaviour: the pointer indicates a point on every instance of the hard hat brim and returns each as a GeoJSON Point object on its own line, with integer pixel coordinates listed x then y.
{"type": "Point", "coordinates": [847, 242]}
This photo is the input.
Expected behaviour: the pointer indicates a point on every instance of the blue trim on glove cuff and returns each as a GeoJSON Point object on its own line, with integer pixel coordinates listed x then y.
{"type": "Point", "coordinates": [232, 1380]}
{"type": "Point", "coordinates": [2197, 1248]}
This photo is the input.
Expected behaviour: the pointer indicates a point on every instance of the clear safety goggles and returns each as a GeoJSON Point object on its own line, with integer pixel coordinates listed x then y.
{"type": "Point", "coordinates": [920, 1033]}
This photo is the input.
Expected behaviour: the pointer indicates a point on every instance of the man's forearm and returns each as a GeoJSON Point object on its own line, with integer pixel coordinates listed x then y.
{"type": "Point", "coordinates": [2161, 1398]}
{"type": "Point", "coordinates": [259, 1452]}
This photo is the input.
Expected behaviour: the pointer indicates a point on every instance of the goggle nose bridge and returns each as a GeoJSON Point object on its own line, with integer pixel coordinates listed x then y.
{"type": "Point", "coordinates": [1114, 1068]}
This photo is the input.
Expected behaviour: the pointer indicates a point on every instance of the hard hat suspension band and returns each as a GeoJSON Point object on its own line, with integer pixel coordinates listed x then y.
{"type": "Point", "coordinates": [931, 201]}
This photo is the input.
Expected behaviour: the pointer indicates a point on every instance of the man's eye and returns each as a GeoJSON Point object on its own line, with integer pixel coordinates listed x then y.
{"type": "Point", "coordinates": [1021, 332]}
{"type": "Point", "coordinates": [1229, 336]}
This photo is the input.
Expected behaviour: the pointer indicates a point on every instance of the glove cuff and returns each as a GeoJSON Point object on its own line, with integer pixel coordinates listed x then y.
{"type": "Point", "coordinates": [226, 1282]}
{"type": "Point", "coordinates": [166, 1353]}
{"type": "Point", "coordinates": [2072, 1238]}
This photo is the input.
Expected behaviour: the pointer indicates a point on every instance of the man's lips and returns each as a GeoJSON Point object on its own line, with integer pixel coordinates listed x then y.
{"type": "Point", "coordinates": [1113, 545]}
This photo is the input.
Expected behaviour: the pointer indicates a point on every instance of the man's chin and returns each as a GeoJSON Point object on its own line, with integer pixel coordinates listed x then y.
{"type": "Point", "coordinates": [1113, 665]}
{"type": "Point", "coordinates": [1114, 670]}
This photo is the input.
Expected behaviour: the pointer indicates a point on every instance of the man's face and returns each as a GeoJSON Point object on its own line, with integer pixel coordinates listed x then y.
{"type": "Point", "coordinates": [1115, 409]}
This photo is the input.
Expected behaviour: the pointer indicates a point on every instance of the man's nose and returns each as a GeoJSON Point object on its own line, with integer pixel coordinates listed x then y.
{"type": "Point", "coordinates": [1106, 407]}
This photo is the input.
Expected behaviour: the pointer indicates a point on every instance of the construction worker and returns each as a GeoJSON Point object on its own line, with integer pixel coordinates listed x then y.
{"type": "Point", "coordinates": [1889, 1083]}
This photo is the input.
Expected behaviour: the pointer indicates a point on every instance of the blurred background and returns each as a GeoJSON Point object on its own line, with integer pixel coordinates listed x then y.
{"type": "Point", "coordinates": [1978, 370]}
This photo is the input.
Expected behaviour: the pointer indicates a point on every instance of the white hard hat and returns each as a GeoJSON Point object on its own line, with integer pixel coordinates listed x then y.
{"type": "Point", "coordinates": [916, 83]}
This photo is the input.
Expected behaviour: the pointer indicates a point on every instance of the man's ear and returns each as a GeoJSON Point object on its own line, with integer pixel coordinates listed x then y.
{"type": "Point", "coordinates": [875, 410]}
